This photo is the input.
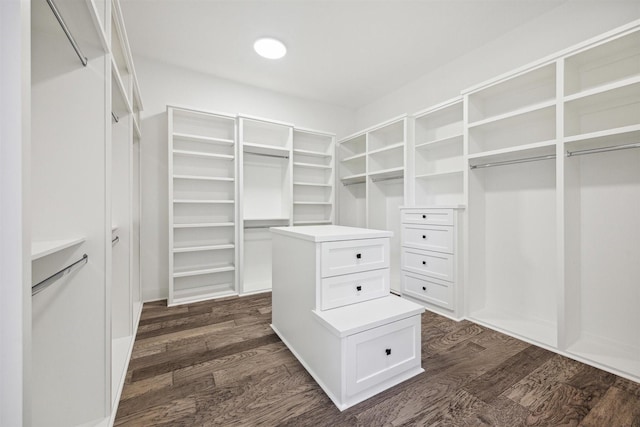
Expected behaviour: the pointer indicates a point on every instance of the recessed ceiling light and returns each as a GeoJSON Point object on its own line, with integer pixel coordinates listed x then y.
{"type": "Point", "coordinates": [270, 48]}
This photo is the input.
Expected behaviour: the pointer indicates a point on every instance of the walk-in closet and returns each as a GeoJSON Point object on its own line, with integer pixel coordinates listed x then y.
{"type": "Point", "coordinates": [309, 213]}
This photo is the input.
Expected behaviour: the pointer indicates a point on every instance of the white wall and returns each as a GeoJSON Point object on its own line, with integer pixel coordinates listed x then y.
{"type": "Point", "coordinates": [571, 23]}
{"type": "Point", "coordinates": [162, 84]}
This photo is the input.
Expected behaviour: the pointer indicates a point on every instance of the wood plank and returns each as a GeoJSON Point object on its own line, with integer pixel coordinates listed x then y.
{"type": "Point", "coordinates": [566, 406]}
{"type": "Point", "coordinates": [539, 384]}
{"type": "Point", "coordinates": [616, 401]}
{"type": "Point", "coordinates": [496, 381]}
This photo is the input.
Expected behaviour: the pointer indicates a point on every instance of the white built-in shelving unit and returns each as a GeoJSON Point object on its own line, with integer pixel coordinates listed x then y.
{"type": "Point", "coordinates": [202, 205]}
{"type": "Point", "coordinates": [265, 195]}
{"type": "Point", "coordinates": [313, 177]}
{"type": "Point", "coordinates": [372, 187]}
{"type": "Point", "coordinates": [230, 179]}
{"type": "Point", "coordinates": [553, 197]}
{"type": "Point", "coordinates": [438, 167]}
{"type": "Point", "coordinates": [85, 130]}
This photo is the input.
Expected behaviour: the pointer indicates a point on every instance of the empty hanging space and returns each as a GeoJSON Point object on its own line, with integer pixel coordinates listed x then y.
{"type": "Point", "coordinates": [266, 195]}
{"type": "Point", "coordinates": [313, 177]}
{"type": "Point", "coordinates": [439, 148]}
{"type": "Point", "coordinates": [602, 204]}
{"type": "Point", "coordinates": [602, 233]}
{"type": "Point", "coordinates": [203, 205]}
{"type": "Point", "coordinates": [352, 169]}
{"type": "Point", "coordinates": [512, 249]}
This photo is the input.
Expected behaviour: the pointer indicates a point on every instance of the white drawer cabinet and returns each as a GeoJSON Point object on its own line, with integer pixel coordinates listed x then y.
{"type": "Point", "coordinates": [334, 311]}
{"type": "Point", "coordinates": [431, 258]}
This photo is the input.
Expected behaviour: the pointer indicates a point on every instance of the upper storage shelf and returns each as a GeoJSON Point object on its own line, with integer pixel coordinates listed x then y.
{"type": "Point", "coordinates": [603, 65]}
{"type": "Point", "coordinates": [529, 91]}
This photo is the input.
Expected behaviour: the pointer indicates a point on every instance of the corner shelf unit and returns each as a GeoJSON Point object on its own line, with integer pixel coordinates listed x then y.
{"type": "Point", "coordinates": [313, 177]}
{"type": "Point", "coordinates": [546, 259]}
{"type": "Point", "coordinates": [202, 205]}
{"type": "Point", "coordinates": [371, 169]}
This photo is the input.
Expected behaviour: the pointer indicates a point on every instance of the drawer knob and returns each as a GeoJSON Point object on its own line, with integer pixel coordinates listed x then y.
{"type": "Point", "coordinates": [424, 288]}
{"type": "Point", "coordinates": [359, 288]}
{"type": "Point", "coordinates": [424, 236]}
{"type": "Point", "coordinates": [424, 262]}
{"type": "Point", "coordinates": [358, 256]}
{"type": "Point", "coordinates": [424, 217]}
{"type": "Point", "coordinates": [388, 351]}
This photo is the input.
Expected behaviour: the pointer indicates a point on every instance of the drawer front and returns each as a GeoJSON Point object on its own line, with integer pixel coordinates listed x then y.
{"type": "Point", "coordinates": [353, 288]}
{"type": "Point", "coordinates": [428, 216]}
{"type": "Point", "coordinates": [354, 256]}
{"type": "Point", "coordinates": [433, 264]}
{"type": "Point", "coordinates": [434, 291]}
{"type": "Point", "coordinates": [381, 353]}
{"type": "Point", "coordinates": [429, 237]}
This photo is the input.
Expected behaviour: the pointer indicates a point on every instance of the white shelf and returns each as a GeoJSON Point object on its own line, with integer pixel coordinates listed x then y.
{"type": "Point", "coordinates": [354, 179]}
{"type": "Point", "coordinates": [623, 83]}
{"type": "Point", "coordinates": [199, 138]}
{"type": "Point", "coordinates": [204, 225]}
{"type": "Point", "coordinates": [387, 148]}
{"type": "Point", "coordinates": [311, 153]}
{"type": "Point", "coordinates": [215, 202]}
{"type": "Point", "coordinates": [387, 173]}
{"type": "Point", "coordinates": [199, 271]}
{"type": "Point", "coordinates": [354, 157]}
{"type": "Point", "coordinates": [115, 74]}
{"type": "Point", "coordinates": [204, 178]}
{"type": "Point", "coordinates": [203, 248]}
{"type": "Point", "coordinates": [513, 114]}
{"type": "Point", "coordinates": [313, 203]}
{"type": "Point", "coordinates": [42, 248]}
{"type": "Point", "coordinates": [203, 293]}
{"type": "Point", "coordinates": [272, 150]}
{"type": "Point", "coordinates": [512, 153]}
{"type": "Point", "coordinates": [204, 155]}
{"type": "Point", "coordinates": [311, 165]}
{"type": "Point", "coordinates": [439, 174]}
{"type": "Point", "coordinates": [457, 138]}
{"type": "Point", "coordinates": [311, 184]}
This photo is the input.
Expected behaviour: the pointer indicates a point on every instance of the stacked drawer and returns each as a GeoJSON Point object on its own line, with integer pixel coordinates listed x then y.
{"type": "Point", "coordinates": [429, 255]}
{"type": "Point", "coordinates": [353, 271]}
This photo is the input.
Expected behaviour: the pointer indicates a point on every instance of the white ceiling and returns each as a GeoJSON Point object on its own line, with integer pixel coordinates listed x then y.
{"type": "Point", "coordinates": [342, 52]}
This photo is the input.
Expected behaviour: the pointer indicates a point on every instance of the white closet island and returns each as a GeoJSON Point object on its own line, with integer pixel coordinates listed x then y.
{"type": "Point", "coordinates": [333, 309]}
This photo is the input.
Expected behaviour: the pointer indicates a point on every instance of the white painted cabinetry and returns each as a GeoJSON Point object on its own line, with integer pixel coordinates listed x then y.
{"type": "Point", "coordinates": [333, 309]}
{"type": "Point", "coordinates": [432, 267]}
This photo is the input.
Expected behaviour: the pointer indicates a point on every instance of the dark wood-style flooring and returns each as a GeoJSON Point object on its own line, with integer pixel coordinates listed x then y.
{"type": "Point", "coordinates": [219, 363]}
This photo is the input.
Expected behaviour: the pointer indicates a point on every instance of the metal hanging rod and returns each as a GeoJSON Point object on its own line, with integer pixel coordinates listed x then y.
{"type": "Point", "coordinates": [603, 149]}
{"type": "Point", "coordinates": [115, 117]}
{"type": "Point", "coordinates": [346, 184]}
{"type": "Point", "coordinates": [115, 240]}
{"type": "Point", "coordinates": [510, 162]}
{"type": "Point", "coordinates": [261, 226]}
{"type": "Point", "coordinates": [278, 156]}
{"type": "Point", "coordinates": [75, 46]}
{"type": "Point", "coordinates": [39, 287]}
